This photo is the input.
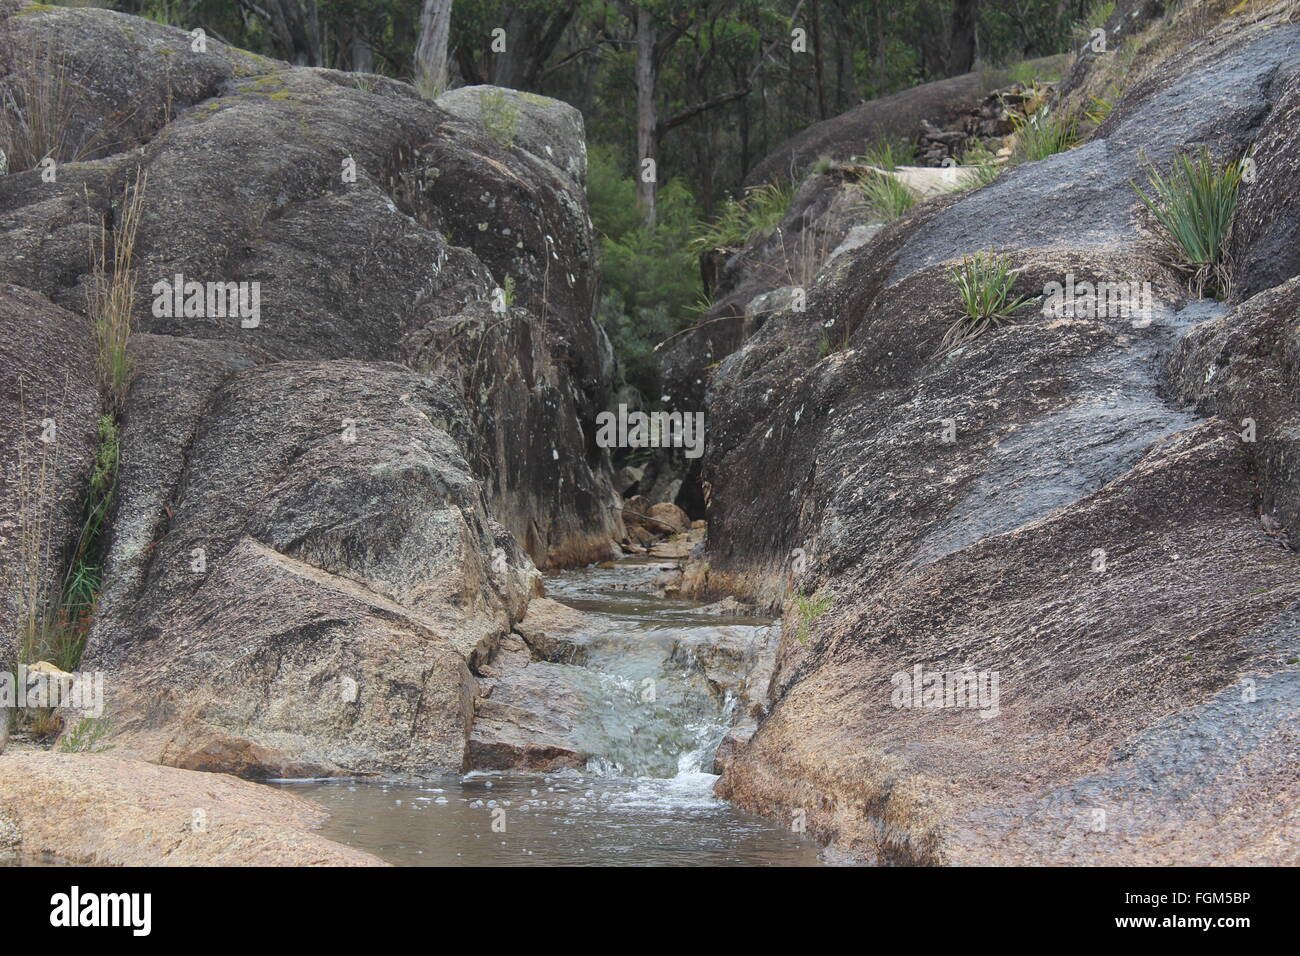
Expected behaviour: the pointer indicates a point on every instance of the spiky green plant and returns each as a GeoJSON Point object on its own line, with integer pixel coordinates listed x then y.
{"type": "Point", "coordinates": [1100, 109]}
{"type": "Point", "coordinates": [757, 213]}
{"type": "Point", "coordinates": [885, 195]}
{"type": "Point", "coordinates": [1044, 134]}
{"type": "Point", "coordinates": [808, 608]}
{"type": "Point", "coordinates": [1193, 207]}
{"type": "Point", "coordinates": [889, 154]}
{"type": "Point", "coordinates": [984, 282]}
{"type": "Point", "coordinates": [984, 162]}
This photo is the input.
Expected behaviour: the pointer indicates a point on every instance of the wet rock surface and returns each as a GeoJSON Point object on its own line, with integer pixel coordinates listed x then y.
{"type": "Point", "coordinates": [1043, 504]}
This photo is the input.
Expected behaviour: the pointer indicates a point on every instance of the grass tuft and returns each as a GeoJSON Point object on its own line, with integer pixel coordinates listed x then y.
{"type": "Point", "coordinates": [885, 195]}
{"type": "Point", "coordinates": [1193, 207]}
{"type": "Point", "coordinates": [112, 296]}
{"type": "Point", "coordinates": [758, 213]}
{"type": "Point", "coordinates": [890, 154]}
{"type": "Point", "coordinates": [984, 162]}
{"type": "Point", "coordinates": [1044, 134]}
{"type": "Point", "coordinates": [35, 110]}
{"type": "Point", "coordinates": [984, 282]}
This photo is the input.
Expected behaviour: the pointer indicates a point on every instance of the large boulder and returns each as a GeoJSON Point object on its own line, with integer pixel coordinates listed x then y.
{"type": "Point", "coordinates": [322, 575]}
{"type": "Point", "coordinates": [49, 410]}
{"type": "Point", "coordinates": [1244, 366]}
{"type": "Point", "coordinates": [366, 216]}
{"type": "Point", "coordinates": [1028, 505]}
{"type": "Point", "coordinates": [103, 810]}
{"type": "Point", "coordinates": [1264, 245]}
{"type": "Point", "coordinates": [322, 500]}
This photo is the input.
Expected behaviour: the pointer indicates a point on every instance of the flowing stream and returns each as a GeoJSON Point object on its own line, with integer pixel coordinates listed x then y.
{"type": "Point", "coordinates": [645, 797]}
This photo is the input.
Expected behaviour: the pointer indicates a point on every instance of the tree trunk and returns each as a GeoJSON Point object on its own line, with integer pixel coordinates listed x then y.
{"type": "Point", "coordinates": [816, 24]}
{"type": "Point", "coordinates": [296, 27]}
{"type": "Point", "coordinates": [431, 50]}
{"type": "Point", "coordinates": [961, 46]}
{"type": "Point", "coordinates": [646, 119]}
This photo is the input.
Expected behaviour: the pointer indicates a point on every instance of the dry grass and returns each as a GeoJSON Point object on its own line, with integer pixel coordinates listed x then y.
{"type": "Point", "coordinates": [112, 296]}
{"type": "Point", "coordinates": [35, 109]}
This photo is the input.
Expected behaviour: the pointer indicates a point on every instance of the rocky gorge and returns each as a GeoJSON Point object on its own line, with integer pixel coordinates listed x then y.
{"type": "Point", "coordinates": [345, 529]}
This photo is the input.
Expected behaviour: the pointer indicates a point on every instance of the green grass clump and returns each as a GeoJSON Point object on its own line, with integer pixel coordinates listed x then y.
{"type": "Point", "coordinates": [984, 162]}
{"type": "Point", "coordinates": [757, 213]}
{"type": "Point", "coordinates": [890, 154]}
{"type": "Point", "coordinates": [808, 608]}
{"type": "Point", "coordinates": [984, 283]}
{"type": "Point", "coordinates": [499, 115]}
{"type": "Point", "coordinates": [1193, 206]}
{"type": "Point", "coordinates": [87, 736]}
{"type": "Point", "coordinates": [886, 196]}
{"type": "Point", "coordinates": [1044, 134]}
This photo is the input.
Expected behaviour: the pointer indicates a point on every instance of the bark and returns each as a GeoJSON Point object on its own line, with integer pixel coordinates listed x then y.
{"type": "Point", "coordinates": [295, 25]}
{"type": "Point", "coordinates": [431, 50]}
{"type": "Point", "coordinates": [961, 46]}
{"type": "Point", "coordinates": [646, 118]}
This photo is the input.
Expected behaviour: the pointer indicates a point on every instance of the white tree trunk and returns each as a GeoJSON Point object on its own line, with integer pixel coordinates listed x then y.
{"type": "Point", "coordinates": [645, 113]}
{"type": "Point", "coordinates": [431, 50]}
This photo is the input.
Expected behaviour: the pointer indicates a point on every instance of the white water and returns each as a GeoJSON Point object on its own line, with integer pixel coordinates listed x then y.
{"type": "Point", "coordinates": [646, 796]}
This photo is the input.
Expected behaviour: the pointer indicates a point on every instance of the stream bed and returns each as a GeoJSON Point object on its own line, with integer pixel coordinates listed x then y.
{"type": "Point", "coordinates": [645, 796]}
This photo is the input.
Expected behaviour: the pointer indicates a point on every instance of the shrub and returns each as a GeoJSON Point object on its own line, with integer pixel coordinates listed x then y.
{"type": "Point", "coordinates": [1193, 207]}
{"type": "Point", "coordinates": [757, 213]}
{"type": "Point", "coordinates": [984, 283]}
{"type": "Point", "coordinates": [500, 116]}
{"type": "Point", "coordinates": [651, 276]}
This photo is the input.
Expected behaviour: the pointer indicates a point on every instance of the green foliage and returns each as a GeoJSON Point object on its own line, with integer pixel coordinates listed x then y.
{"type": "Point", "coordinates": [1030, 75]}
{"type": "Point", "coordinates": [1099, 109]}
{"type": "Point", "coordinates": [984, 282]}
{"type": "Point", "coordinates": [982, 160]}
{"type": "Point", "coordinates": [755, 214]}
{"type": "Point", "coordinates": [1193, 206]}
{"type": "Point", "coordinates": [1044, 134]}
{"type": "Point", "coordinates": [890, 154]}
{"type": "Point", "coordinates": [885, 196]}
{"type": "Point", "coordinates": [808, 608]}
{"type": "Point", "coordinates": [87, 736]}
{"type": "Point", "coordinates": [500, 116]}
{"type": "Point", "coordinates": [651, 276]}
